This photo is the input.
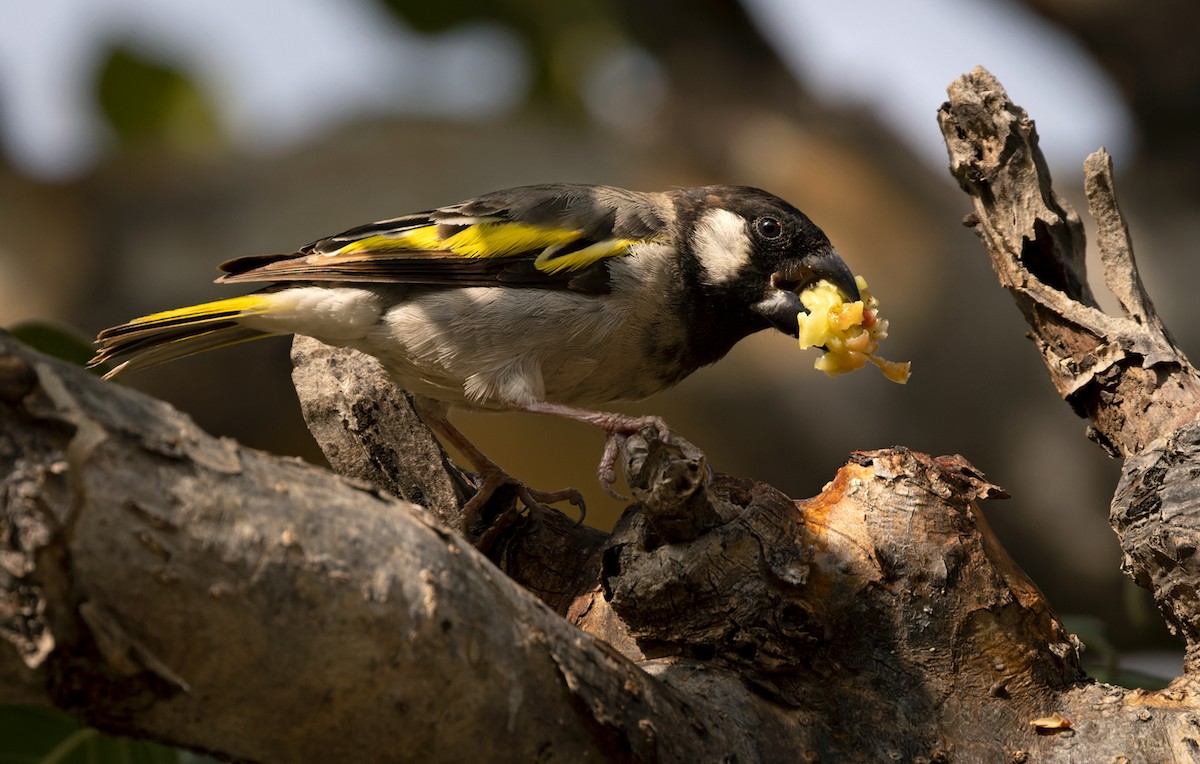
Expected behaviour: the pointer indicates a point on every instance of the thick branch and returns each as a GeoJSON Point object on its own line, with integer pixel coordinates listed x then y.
{"type": "Point", "coordinates": [165, 583]}
{"type": "Point", "coordinates": [367, 429]}
{"type": "Point", "coordinates": [265, 609]}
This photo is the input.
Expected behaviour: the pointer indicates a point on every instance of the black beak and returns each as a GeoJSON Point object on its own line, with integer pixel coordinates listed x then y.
{"type": "Point", "coordinates": [827, 264]}
{"type": "Point", "coordinates": [782, 303]}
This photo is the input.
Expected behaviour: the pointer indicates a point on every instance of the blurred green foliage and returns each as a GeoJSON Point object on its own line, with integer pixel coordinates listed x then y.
{"type": "Point", "coordinates": [564, 39]}
{"type": "Point", "coordinates": [1102, 660]}
{"type": "Point", "coordinates": [150, 103]}
{"type": "Point", "coordinates": [30, 735]}
{"type": "Point", "coordinates": [54, 340]}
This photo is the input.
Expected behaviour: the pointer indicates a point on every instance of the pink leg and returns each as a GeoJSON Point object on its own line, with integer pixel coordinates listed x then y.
{"type": "Point", "coordinates": [492, 475]}
{"type": "Point", "coordinates": [615, 425]}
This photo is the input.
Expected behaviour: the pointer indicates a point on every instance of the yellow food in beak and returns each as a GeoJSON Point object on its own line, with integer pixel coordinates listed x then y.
{"type": "Point", "coordinates": [849, 331]}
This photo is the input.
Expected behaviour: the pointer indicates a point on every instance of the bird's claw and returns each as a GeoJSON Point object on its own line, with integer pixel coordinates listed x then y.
{"type": "Point", "coordinates": [533, 502]}
{"type": "Point", "coordinates": [606, 472]}
{"type": "Point", "coordinates": [534, 499]}
{"type": "Point", "coordinates": [618, 431]}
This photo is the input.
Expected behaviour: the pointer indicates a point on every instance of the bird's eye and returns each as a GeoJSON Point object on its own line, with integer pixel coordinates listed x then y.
{"type": "Point", "coordinates": [768, 227]}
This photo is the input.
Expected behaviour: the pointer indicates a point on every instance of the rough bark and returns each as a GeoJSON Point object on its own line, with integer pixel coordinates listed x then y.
{"type": "Point", "coordinates": [163, 583]}
{"type": "Point", "coordinates": [1123, 373]}
{"type": "Point", "coordinates": [368, 429]}
{"type": "Point", "coordinates": [340, 397]}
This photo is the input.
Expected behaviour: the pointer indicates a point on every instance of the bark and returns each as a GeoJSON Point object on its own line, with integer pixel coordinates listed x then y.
{"type": "Point", "coordinates": [1123, 373]}
{"type": "Point", "coordinates": [163, 583]}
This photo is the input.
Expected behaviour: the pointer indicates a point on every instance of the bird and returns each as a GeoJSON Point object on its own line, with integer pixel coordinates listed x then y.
{"type": "Point", "coordinates": [555, 299]}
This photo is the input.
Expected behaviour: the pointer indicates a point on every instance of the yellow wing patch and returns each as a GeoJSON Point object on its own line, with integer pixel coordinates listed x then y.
{"type": "Point", "coordinates": [500, 239]}
{"type": "Point", "coordinates": [550, 262]}
{"type": "Point", "coordinates": [479, 240]}
{"type": "Point", "coordinates": [497, 239]}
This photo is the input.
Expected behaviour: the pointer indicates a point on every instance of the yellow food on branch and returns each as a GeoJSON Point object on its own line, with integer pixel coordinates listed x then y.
{"type": "Point", "coordinates": [849, 331]}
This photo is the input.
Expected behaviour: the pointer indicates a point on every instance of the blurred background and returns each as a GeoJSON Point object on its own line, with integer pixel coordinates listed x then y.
{"type": "Point", "coordinates": [144, 141]}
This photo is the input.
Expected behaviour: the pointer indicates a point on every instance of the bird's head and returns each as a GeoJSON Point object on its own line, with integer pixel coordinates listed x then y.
{"type": "Point", "coordinates": [754, 249]}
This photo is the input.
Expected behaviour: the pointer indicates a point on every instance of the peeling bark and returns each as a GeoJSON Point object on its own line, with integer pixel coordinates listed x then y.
{"type": "Point", "coordinates": [1124, 373]}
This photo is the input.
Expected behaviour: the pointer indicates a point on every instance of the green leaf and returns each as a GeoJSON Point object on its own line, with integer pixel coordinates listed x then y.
{"type": "Point", "coordinates": [54, 340]}
{"type": "Point", "coordinates": [148, 102]}
{"type": "Point", "coordinates": [31, 735]}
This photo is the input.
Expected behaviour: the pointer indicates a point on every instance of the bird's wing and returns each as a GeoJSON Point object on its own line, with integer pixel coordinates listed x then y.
{"type": "Point", "coordinates": [554, 236]}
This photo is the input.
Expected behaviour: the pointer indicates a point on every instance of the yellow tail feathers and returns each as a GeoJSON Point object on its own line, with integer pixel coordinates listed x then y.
{"type": "Point", "coordinates": [171, 334]}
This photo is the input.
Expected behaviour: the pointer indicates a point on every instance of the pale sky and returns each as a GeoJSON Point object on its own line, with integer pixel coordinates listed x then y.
{"type": "Point", "coordinates": [846, 51]}
{"type": "Point", "coordinates": [281, 71]}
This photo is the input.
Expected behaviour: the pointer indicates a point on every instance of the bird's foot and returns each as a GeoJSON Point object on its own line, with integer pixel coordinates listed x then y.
{"type": "Point", "coordinates": [616, 426]}
{"type": "Point", "coordinates": [529, 502]}
{"type": "Point", "coordinates": [619, 427]}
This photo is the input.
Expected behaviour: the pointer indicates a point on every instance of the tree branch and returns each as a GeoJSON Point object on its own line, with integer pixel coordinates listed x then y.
{"type": "Point", "coordinates": [254, 592]}
{"type": "Point", "coordinates": [164, 583]}
{"type": "Point", "coordinates": [1123, 373]}
{"type": "Point", "coordinates": [367, 428]}
{"type": "Point", "coordinates": [344, 396]}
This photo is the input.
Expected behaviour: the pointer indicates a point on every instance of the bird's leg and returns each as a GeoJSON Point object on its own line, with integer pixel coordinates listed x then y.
{"type": "Point", "coordinates": [492, 477]}
{"type": "Point", "coordinates": [614, 425]}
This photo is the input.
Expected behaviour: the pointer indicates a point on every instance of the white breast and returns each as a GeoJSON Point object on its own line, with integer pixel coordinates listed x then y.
{"type": "Point", "coordinates": [495, 347]}
{"type": "Point", "coordinates": [492, 347]}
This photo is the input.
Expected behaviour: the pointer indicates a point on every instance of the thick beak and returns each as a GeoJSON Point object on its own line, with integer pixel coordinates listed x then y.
{"type": "Point", "coordinates": [782, 303]}
{"type": "Point", "coordinates": [827, 264]}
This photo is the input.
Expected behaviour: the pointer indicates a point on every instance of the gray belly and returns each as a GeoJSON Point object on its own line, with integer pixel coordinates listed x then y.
{"type": "Point", "coordinates": [491, 348]}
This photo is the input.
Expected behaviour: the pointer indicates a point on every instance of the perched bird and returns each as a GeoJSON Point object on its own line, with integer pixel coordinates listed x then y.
{"type": "Point", "coordinates": [553, 299]}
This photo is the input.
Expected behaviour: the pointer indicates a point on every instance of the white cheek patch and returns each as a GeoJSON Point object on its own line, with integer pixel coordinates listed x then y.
{"type": "Point", "coordinates": [722, 245]}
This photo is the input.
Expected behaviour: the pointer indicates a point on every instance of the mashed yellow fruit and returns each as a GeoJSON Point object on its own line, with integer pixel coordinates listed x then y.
{"type": "Point", "coordinates": [849, 331]}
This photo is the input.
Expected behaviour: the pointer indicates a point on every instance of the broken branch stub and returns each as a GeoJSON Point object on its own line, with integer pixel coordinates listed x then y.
{"type": "Point", "coordinates": [1122, 372]}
